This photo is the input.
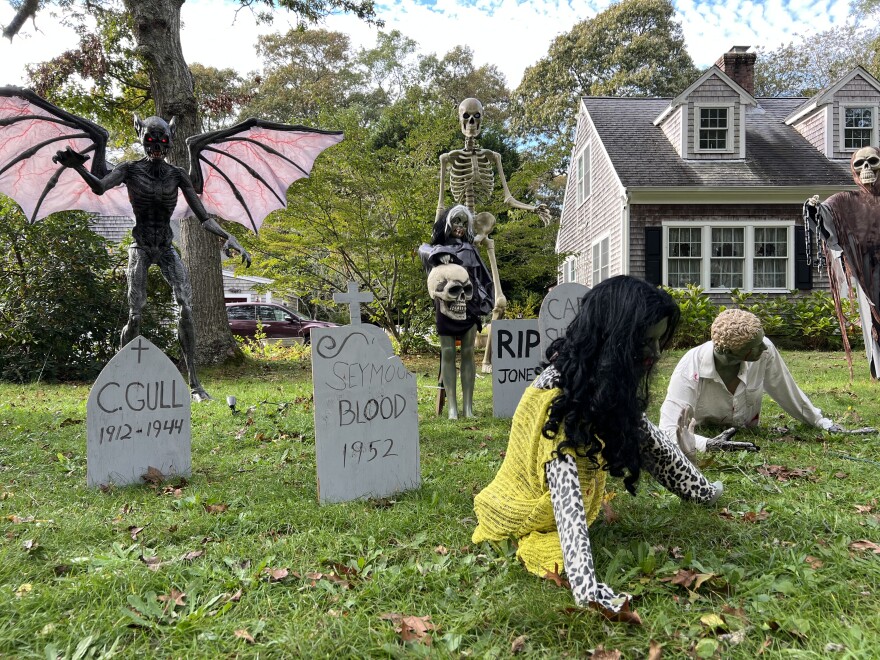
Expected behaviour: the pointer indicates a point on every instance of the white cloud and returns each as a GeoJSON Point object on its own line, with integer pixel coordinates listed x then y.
{"type": "Point", "coordinates": [511, 34]}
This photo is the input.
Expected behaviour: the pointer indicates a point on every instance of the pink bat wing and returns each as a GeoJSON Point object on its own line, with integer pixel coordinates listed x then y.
{"type": "Point", "coordinates": [243, 172]}
{"type": "Point", "coordinates": [32, 130]}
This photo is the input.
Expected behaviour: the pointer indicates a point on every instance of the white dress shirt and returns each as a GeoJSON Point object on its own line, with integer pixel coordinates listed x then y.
{"type": "Point", "coordinates": [696, 383]}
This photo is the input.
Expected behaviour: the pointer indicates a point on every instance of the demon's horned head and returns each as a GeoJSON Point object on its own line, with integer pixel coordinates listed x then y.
{"type": "Point", "coordinates": [155, 135]}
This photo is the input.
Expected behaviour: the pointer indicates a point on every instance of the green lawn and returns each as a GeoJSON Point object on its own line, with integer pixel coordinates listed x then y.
{"type": "Point", "coordinates": [241, 561]}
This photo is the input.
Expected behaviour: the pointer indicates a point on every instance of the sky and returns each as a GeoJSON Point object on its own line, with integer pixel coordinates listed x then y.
{"type": "Point", "coordinates": [511, 34]}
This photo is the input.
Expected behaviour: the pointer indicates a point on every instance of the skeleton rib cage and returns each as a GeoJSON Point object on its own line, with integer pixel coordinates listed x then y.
{"type": "Point", "coordinates": [471, 177]}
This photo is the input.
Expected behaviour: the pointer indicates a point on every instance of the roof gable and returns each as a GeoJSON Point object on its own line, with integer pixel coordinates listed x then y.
{"type": "Point", "coordinates": [712, 71]}
{"type": "Point", "coordinates": [826, 96]}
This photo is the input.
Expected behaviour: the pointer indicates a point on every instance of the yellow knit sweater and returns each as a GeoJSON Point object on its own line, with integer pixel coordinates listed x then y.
{"type": "Point", "coordinates": [517, 502]}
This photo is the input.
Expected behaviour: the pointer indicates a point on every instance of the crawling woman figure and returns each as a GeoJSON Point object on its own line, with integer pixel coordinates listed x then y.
{"type": "Point", "coordinates": [581, 419]}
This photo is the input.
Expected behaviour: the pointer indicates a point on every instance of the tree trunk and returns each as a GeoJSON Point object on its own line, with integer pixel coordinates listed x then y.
{"type": "Point", "coordinates": [157, 31]}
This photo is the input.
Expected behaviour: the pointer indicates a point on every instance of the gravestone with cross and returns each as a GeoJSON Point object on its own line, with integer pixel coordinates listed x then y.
{"type": "Point", "coordinates": [366, 417]}
{"type": "Point", "coordinates": [137, 418]}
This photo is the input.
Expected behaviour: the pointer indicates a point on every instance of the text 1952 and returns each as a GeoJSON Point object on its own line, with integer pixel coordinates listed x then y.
{"type": "Point", "coordinates": [364, 452]}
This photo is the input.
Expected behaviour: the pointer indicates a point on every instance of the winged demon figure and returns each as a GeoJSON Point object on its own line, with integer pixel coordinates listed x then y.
{"type": "Point", "coordinates": [239, 173]}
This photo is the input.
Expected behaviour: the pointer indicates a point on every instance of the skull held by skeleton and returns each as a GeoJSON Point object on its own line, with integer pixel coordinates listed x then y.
{"type": "Point", "coordinates": [865, 165]}
{"type": "Point", "coordinates": [452, 286]}
{"type": "Point", "coordinates": [470, 114]}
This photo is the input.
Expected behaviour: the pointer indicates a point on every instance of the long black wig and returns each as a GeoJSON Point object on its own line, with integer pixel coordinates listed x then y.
{"type": "Point", "coordinates": [603, 377]}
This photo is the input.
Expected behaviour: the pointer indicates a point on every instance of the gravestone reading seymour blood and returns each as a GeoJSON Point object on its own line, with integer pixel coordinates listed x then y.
{"type": "Point", "coordinates": [516, 355]}
{"type": "Point", "coordinates": [366, 417]}
{"type": "Point", "coordinates": [137, 417]}
{"type": "Point", "coordinates": [558, 309]}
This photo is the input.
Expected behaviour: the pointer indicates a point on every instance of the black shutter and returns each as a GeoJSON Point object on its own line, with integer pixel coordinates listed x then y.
{"type": "Point", "coordinates": [654, 255]}
{"type": "Point", "coordinates": [803, 272]}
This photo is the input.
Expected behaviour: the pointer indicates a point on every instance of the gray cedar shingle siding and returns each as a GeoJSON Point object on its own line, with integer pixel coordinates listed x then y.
{"type": "Point", "coordinates": [812, 127]}
{"type": "Point", "coordinates": [713, 92]}
{"type": "Point", "coordinates": [671, 127]}
{"type": "Point", "coordinates": [857, 91]}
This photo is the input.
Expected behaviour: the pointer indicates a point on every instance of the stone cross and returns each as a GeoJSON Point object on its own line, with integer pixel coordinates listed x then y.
{"type": "Point", "coordinates": [354, 300]}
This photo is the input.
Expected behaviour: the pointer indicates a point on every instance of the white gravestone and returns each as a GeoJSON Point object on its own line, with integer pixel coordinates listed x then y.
{"type": "Point", "coordinates": [137, 417]}
{"type": "Point", "coordinates": [366, 416]}
{"type": "Point", "coordinates": [516, 354]}
{"type": "Point", "coordinates": [559, 308]}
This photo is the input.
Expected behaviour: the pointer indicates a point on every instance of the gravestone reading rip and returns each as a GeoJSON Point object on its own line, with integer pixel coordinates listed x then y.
{"type": "Point", "coordinates": [516, 355]}
{"type": "Point", "coordinates": [366, 417]}
{"type": "Point", "coordinates": [560, 306]}
{"type": "Point", "coordinates": [137, 418]}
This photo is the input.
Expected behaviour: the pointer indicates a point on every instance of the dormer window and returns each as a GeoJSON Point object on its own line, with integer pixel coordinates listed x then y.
{"type": "Point", "coordinates": [713, 132]}
{"type": "Point", "coordinates": [859, 126]}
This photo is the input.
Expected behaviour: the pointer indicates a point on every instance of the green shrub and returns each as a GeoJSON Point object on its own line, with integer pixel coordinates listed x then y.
{"type": "Point", "coordinates": [697, 313]}
{"type": "Point", "coordinates": [527, 307]}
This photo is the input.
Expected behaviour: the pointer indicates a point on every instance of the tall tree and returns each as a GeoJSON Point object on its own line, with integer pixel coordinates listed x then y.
{"type": "Point", "coordinates": [633, 48]}
{"type": "Point", "coordinates": [804, 66]}
{"type": "Point", "coordinates": [156, 28]}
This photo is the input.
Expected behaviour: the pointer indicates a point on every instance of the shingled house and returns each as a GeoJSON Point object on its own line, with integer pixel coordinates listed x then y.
{"type": "Point", "coordinates": [707, 188]}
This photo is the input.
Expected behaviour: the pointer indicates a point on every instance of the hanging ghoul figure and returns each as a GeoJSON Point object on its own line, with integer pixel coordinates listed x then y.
{"type": "Point", "coordinates": [462, 290]}
{"type": "Point", "coordinates": [241, 173]}
{"type": "Point", "coordinates": [471, 182]}
{"type": "Point", "coordinates": [849, 222]}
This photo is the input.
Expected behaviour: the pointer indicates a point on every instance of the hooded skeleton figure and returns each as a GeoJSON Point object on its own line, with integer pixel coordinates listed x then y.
{"type": "Point", "coordinates": [849, 224]}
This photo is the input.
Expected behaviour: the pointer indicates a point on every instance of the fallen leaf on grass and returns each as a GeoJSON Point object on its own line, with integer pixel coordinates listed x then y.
{"type": "Point", "coordinates": [441, 550]}
{"type": "Point", "coordinates": [738, 612]}
{"type": "Point", "coordinates": [245, 635]}
{"type": "Point", "coordinates": [863, 508]}
{"type": "Point", "coordinates": [411, 628]}
{"type": "Point", "coordinates": [24, 589]}
{"type": "Point", "coordinates": [840, 475]}
{"type": "Point", "coordinates": [865, 544]}
{"type": "Point", "coordinates": [609, 514]}
{"type": "Point", "coordinates": [782, 473]}
{"type": "Point", "coordinates": [712, 621]}
{"type": "Point", "coordinates": [61, 570]}
{"type": "Point", "coordinates": [814, 562]}
{"type": "Point", "coordinates": [655, 651]}
{"type": "Point", "coordinates": [216, 508]}
{"type": "Point", "coordinates": [134, 530]}
{"type": "Point", "coordinates": [600, 653]}
{"type": "Point", "coordinates": [153, 476]}
{"type": "Point", "coordinates": [734, 638]}
{"type": "Point", "coordinates": [234, 598]}
{"type": "Point", "coordinates": [519, 644]}
{"type": "Point", "coordinates": [174, 598]}
{"type": "Point", "coordinates": [753, 516]}
{"type": "Point", "coordinates": [625, 615]}
{"type": "Point", "coordinates": [193, 555]}
{"type": "Point", "coordinates": [276, 574]}
{"type": "Point", "coordinates": [556, 578]}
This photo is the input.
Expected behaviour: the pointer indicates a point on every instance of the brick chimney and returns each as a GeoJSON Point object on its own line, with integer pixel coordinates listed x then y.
{"type": "Point", "coordinates": [739, 64]}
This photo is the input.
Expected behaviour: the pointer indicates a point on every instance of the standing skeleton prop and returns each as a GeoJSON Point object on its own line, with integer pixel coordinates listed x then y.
{"type": "Point", "coordinates": [462, 290]}
{"type": "Point", "coordinates": [848, 223]}
{"type": "Point", "coordinates": [239, 173]}
{"type": "Point", "coordinates": [471, 182]}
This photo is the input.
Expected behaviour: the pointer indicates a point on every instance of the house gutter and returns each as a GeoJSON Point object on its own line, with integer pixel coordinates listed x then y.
{"type": "Point", "coordinates": [730, 195]}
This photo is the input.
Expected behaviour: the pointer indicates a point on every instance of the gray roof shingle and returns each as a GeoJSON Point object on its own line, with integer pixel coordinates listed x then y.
{"type": "Point", "coordinates": [776, 154]}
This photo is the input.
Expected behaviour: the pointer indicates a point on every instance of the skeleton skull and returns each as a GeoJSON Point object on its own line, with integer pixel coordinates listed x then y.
{"type": "Point", "coordinates": [470, 114]}
{"type": "Point", "coordinates": [865, 166]}
{"type": "Point", "coordinates": [451, 285]}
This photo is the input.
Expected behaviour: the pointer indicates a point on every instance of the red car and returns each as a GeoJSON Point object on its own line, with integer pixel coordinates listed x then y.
{"type": "Point", "coordinates": [278, 322]}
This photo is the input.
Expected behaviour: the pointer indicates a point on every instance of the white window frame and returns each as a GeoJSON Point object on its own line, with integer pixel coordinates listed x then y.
{"type": "Point", "coordinates": [842, 124]}
{"type": "Point", "coordinates": [730, 148]}
{"type": "Point", "coordinates": [748, 256]}
{"type": "Point", "coordinates": [596, 270]}
{"type": "Point", "coordinates": [584, 174]}
{"type": "Point", "coordinates": [569, 269]}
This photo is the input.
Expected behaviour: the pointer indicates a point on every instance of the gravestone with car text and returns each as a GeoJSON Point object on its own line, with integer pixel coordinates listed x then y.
{"type": "Point", "coordinates": [366, 417]}
{"type": "Point", "coordinates": [558, 309]}
{"type": "Point", "coordinates": [516, 354]}
{"type": "Point", "coordinates": [137, 418]}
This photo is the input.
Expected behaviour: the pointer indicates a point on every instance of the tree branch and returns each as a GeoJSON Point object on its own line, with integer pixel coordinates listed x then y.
{"type": "Point", "coordinates": [27, 10]}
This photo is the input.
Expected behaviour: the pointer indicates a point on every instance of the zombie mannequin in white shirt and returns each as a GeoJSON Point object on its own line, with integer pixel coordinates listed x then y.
{"type": "Point", "coordinates": [725, 379]}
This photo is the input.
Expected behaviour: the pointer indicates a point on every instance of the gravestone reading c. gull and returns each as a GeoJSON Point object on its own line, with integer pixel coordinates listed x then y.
{"type": "Point", "coordinates": [366, 417]}
{"type": "Point", "coordinates": [137, 418]}
{"type": "Point", "coordinates": [560, 306]}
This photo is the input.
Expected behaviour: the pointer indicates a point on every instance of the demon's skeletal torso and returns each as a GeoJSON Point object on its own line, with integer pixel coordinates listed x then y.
{"type": "Point", "coordinates": [152, 189]}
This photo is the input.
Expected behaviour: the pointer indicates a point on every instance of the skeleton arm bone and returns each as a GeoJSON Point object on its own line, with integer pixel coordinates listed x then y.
{"type": "Point", "coordinates": [444, 159]}
{"type": "Point", "coordinates": [510, 200]}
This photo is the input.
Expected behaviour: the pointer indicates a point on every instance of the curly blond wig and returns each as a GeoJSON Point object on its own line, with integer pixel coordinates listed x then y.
{"type": "Point", "coordinates": [734, 328]}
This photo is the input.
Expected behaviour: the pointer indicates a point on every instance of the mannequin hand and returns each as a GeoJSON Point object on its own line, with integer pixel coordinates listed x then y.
{"type": "Point", "coordinates": [837, 428]}
{"type": "Point", "coordinates": [69, 158]}
{"type": "Point", "coordinates": [721, 442]}
{"type": "Point", "coordinates": [685, 433]}
{"type": "Point", "coordinates": [233, 244]}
